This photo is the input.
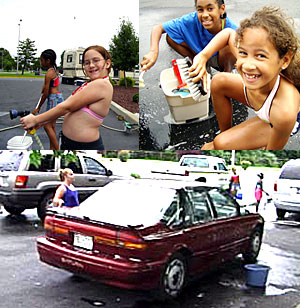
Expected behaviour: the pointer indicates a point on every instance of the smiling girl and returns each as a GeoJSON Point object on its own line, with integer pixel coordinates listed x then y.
{"type": "Point", "coordinates": [268, 63]}
{"type": "Point", "coordinates": [189, 34]}
{"type": "Point", "coordinates": [85, 110]}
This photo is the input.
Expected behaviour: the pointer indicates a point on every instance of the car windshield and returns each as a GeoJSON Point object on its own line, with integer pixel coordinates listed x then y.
{"type": "Point", "coordinates": [290, 173]}
{"type": "Point", "coordinates": [10, 160]}
{"type": "Point", "coordinates": [124, 204]}
{"type": "Point", "coordinates": [195, 162]}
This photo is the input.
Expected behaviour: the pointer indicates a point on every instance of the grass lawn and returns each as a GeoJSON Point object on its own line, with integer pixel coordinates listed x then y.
{"type": "Point", "coordinates": [13, 74]}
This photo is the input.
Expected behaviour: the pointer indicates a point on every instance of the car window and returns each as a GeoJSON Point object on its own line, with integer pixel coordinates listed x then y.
{"type": "Point", "coordinates": [93, 166]}
{"type": "Point", "coordinates": [202, 212]}
{"type": "Point", "coordinates": [174, 213]}
{"type": "Point", "coordinates": [75, 166]}
{"type": "Point", "coordinates": [10, 160]}
{"type": "Point", "coordinates": [222, 167]}
{"type": "Point", "coordinates": [47, 164]}
{"type": "Point", "coordinates": [223, 204]}
{"type": "Point", "coordinates": [195, 162]}
{"type": "Point", "coordinates": [290, 173]}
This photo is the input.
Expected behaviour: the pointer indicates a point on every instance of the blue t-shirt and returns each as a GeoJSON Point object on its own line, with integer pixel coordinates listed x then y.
{"type": "Point", "coordinates": [189, 29]}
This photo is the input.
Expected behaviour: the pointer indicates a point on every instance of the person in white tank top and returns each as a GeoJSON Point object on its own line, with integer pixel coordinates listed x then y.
{"type": "Point", "coordinates": [268, 82]}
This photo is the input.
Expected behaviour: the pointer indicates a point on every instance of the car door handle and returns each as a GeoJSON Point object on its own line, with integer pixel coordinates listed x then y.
{"type": "Point", "coordinates": [92, 180]}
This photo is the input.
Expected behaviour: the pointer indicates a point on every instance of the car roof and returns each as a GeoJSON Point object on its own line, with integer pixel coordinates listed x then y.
{"type": "Point", "coordinates": [164, 183]}
{"type": "Point", "coordinates": [295, 162]}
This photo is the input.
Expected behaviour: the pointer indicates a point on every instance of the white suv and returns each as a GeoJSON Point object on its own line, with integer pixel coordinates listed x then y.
{"type": "Point", "coordinates": [287, 189]}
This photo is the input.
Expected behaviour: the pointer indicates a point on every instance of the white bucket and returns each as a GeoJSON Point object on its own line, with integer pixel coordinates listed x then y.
{"type": "Point", "coordinates": [18, 143]}
{"type": "Point", "coordinates": [182, 108]}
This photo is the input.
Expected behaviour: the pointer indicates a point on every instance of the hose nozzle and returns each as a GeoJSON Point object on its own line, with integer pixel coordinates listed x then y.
{"type": "Point", "coordinates": [15, 113]}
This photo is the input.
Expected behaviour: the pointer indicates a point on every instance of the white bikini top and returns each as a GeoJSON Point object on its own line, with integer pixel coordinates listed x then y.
{"type": "Point", "coordinates": [264, 112]}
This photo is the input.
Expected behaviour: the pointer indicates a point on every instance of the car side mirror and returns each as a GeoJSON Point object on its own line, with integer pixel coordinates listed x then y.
{"type": "Point", "coordinates": [109, 172]}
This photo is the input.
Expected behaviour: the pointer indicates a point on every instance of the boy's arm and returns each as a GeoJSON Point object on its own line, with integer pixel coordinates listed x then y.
{"type": "Point", "coordinates": [219, 41]}
{"type": "Point", "coordinates": [150, 58]}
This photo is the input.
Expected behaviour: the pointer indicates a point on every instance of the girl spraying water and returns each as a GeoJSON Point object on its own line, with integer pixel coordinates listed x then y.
{"type": "Point", "coordinates": [268, 63]}
{"type": "Point", "coordinates": [85, 110]}
{"type": "Point", "coordinates": [51, 92]}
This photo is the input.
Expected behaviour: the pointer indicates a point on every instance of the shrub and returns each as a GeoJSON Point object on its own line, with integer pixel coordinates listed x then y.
{"type": "Point", "coordinates": [124, 155]}
{"type": "Point", "coordinates": [245, 164]}
{"type": "Point", "coordinates": [130, 82]}
{"type": "Point", "coordinates": [112, 81]}
{"type": "Point", "coordinates": [135, 98]}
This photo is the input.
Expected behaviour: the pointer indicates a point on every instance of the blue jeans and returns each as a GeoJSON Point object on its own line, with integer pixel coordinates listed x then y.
{"type": "Point", "coordinates": [53, 100]}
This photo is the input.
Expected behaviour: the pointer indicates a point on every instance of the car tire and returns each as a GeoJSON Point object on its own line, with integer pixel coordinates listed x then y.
{"type": "Point", "coordinates": [14, 210]}
{"type": "Point", "coordinates": [173, 277]}
{"type": "Point", "coordinates": [45, 203]}
{"type": "Point", "coordinates": [280, 213]}
{"type": "Point", "coordinates": [255, 244]}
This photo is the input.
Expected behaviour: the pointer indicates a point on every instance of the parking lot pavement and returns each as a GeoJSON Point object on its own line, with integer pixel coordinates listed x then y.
{"type": "Point", "coordinates": [156, 133]}
{"type": "Point", "coordinates": [23, 94]}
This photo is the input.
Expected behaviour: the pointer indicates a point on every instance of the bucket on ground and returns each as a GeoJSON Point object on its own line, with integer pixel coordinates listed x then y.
{"type": "Point", "coordinates": [19, 143]}
{"type": "Point", "coordinates": [182, 105]}
{"type": "Point", "coordinates": [256, 274]}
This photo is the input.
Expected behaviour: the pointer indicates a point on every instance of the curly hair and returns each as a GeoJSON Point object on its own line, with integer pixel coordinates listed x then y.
{"type": "Point", "coordinates": [281, 34]}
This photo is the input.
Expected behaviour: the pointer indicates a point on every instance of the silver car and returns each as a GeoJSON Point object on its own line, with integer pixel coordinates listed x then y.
{"type": "Point", "coordinates": [287, 189]}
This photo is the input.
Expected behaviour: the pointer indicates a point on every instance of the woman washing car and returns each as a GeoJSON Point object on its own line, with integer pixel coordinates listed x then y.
{"type": "Point", "coordinates": [66, 194]}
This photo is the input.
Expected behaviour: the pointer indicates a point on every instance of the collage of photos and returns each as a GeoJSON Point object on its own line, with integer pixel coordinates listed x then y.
{"type": "Point", "coordinates": [150, 154]}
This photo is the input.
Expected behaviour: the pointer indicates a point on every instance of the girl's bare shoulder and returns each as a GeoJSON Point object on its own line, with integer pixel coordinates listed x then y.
{"type": "Point", "coordinates": [286, 103]}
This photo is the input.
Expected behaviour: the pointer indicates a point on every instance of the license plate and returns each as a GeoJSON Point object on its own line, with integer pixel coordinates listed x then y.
{"type": "Point", "coordinates": [83, 241]}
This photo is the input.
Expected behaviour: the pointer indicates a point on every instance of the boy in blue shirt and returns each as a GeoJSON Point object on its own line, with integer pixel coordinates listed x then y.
{"type": "Point", "coordinates": [189, 34]}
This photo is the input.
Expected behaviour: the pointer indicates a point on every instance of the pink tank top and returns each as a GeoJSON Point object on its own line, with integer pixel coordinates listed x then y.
{"type": "Point", "coordinates": [87, 108]}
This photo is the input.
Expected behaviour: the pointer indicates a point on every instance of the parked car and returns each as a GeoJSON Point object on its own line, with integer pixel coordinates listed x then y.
{"type": "Point", "coordinates": [201, 168]}
{"type": "Point", "coordinates": [287, 189]}
{"type": "Point", "coordinates": [24, 186]}
{"type": "Point", "coordinates": [150, 234]}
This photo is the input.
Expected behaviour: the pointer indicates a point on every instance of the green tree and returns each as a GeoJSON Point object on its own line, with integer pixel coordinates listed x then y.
{"type": "Point", "coordinates": [124, 48]}
{"type": "Point", "coordinates": [7, 63]}
{"type": "Point", "coordinates": [26, 52]}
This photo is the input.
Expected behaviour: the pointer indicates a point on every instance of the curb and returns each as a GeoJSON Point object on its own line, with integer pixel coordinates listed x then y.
{"type": "Point", "coordinates": [127, 115]}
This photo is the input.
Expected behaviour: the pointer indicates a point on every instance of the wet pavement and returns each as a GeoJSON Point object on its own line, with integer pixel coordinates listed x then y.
{"type": "Point", "coordinates": [156, 132]}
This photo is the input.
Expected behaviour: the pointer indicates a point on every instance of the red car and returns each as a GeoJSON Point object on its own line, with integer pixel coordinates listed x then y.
{"type": "Point", "coordinates": [150, 234]}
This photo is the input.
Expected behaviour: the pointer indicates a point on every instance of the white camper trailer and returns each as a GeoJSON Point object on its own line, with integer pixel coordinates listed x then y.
{"type": "Point", "coordinates": [72, 65]}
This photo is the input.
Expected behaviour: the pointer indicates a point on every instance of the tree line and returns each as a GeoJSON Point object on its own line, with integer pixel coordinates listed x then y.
{"type": "Point", "coordinates": [124, 47]}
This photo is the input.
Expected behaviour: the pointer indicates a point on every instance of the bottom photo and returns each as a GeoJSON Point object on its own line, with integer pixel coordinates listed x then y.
{"type": "Point", "coordinates": [128, 228]}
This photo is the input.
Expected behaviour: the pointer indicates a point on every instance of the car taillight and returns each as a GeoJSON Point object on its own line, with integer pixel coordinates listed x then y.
{"type": "Point", "coordinates": [125, 240]}
{"type": "Point", "coordinates": [186, 173]}
{"type": "Point", "coordinates": [48, 225]}
{"type": "Point", "coordinates": [275, 186]}
{"type": "Point", "coordinates": [131, 241]}
{"type": "Point", "coordinates": [51, 229]}
{"type": "Point", "coordinates": [21, 181]}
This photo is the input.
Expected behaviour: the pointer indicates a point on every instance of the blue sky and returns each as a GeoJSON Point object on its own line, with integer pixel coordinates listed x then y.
{"type": "Point", "coordinates": [63, 24]}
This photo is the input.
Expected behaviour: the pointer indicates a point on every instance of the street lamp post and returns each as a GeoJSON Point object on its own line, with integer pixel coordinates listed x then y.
{"type": "Point", "coordinates": [19, 24]}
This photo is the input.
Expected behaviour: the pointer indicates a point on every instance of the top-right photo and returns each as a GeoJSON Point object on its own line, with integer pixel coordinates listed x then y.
{"type": "Point", "coordinates": [219, 75]}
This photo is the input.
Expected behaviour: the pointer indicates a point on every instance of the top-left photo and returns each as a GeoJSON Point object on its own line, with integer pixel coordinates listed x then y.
{"type": "Point", "coordinates": [69, 75]}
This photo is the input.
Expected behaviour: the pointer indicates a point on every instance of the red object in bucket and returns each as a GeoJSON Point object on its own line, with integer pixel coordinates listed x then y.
{"type": "Point", "coordinates": [177, 74]}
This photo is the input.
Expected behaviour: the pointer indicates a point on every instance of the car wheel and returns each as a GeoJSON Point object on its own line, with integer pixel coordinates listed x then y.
{"type": "Point", "coordinates": [173, 277]}
{"type": "Point", "coordinates": [280, 213]}
{"type": "Point", "coordinates": [14, 210]}
{"type": "Point", "coordinates": [256, 240]}
{"type": "Point", "coordinates": [45, 204]}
